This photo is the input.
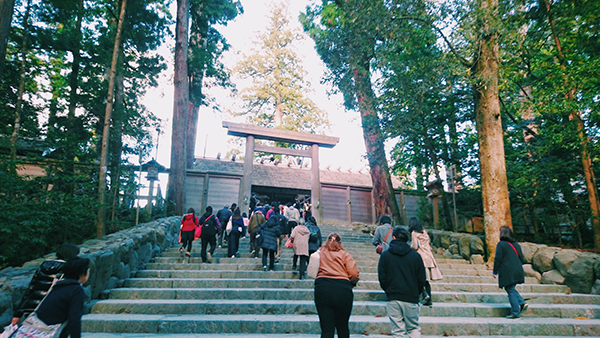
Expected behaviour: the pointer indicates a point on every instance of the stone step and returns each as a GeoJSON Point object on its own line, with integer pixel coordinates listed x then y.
{"type": "Point", "coordinates": [256, 264]}
{"type": "Point", "coordinates": [359, 295]}
{"type": "Point", "coordinates": [262, 335]}
{"type": "Point", "coordinates": [362, 308]}
{"type": "Point", "coordinates": [203, 274]}
{"type": "Point", "coordinates": [256, 324]}
{"type": "Point", "coordinates": [237, 283]}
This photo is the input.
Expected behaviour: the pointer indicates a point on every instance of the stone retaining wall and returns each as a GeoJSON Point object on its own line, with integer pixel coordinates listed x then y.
{"type": "Point", "coordinates": [113, 258]}
{"type": "Point", "coordinates": [550, 265]}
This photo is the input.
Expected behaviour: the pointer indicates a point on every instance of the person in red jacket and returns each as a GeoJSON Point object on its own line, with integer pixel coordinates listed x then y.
{"type": "Point", "coordinates": [189, 222]}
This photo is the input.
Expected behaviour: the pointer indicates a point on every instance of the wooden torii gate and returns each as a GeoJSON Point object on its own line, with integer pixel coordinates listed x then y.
{"type": "Point", "coordinates": [252, 133]}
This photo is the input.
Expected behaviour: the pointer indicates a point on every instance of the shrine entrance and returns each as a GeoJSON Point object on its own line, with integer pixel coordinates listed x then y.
{"type": "Point", "coordinates": [252, 133]}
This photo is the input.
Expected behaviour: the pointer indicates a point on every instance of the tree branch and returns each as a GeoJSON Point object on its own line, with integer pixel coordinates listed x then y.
{"type": "Point", "coordinates": [462, 60]}
{"type": "Point", "coordinates": [514, 119]}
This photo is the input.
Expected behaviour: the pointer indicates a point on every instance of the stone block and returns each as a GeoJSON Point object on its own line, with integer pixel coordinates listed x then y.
{"type": "Point", "coordinates": [464, 246]}
{"type": "Point", "coordinates": [552, 277]}
{"type": "Point", "coordinates": [477, 245]}
{"type": "Point", "coordinates": [477, 259]}
{"type": "Point", "coordinates": [563, 259]}
{"type": "Point", "coordinates": [542, 260]}
{"type": "Point", "coordinates": [579, 277]}
{"type": "Point", "coordinates": [596, 288]}
{"type": "Point", "coordinates": [530, 272]}
{"type": "Point", "coordinates": [145, 252]}
{"type": "Point", "coordinates": [453, 248]}
{"type": "Point", "coordinates": [529, 250]}
{"type": "Point", "coordinates": [447, 254]}
{"type": "Point", "coordinates": [444, 240]}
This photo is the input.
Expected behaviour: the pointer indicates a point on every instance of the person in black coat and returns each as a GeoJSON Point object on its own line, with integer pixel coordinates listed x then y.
{"type": "Point", "coordinates": [401, 274]}
{"type": "Point", "coordinates": [508, 268]}
{"type": "Point", "coordinates": [209, 231]}
{"type": "Point", "coordinates": [49, 271]}
{"type": "Point", "coordinates": [65, 302]}
{"type": "Point", "coordinates": [270, 234]}
{"type": "Point", "coordinates": [223, 215]}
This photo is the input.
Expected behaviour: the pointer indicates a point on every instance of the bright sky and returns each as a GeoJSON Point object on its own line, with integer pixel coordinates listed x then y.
{"type": "Point", "coordinates": [240, 34]}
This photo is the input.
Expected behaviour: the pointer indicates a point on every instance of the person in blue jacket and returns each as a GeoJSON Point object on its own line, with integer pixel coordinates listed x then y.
{"type": "Point", "coordinates": [64, 303]}
{"type": "Point", "coordinates": [508, 268]}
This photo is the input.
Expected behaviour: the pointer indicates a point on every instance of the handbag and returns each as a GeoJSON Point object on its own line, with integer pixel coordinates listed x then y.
{"type": "Point", "coordinates": [289, 243]}
{"type": "Point", "coordinates": [33, 327]}
{"type": "Point", "coordinates": [229, 226]}
{"type": "Point", "coordinates": [379, 248]}
{"type": "Point", "coordinates": [8, 330]}
{"type": "Point", "coordinates": [424, 297]}
{"type": "Point", "coordinates": [313, 265]}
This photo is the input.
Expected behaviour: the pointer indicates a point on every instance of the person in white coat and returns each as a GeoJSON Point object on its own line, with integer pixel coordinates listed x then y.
{"type": "Point", "coordinates": [421, 243]}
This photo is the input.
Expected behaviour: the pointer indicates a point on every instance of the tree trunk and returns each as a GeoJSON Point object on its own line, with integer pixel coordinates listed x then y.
{"type": "Point", "coordinates": [590, 179]}
{"type": "Point", "coordinates": [100, 226]}
{"type": "Point", "coordinates": [70, 147]}
{"type": "Point", "coordinates": [175, 191]}
{"type": "Point", "coordinates": [494, 186]}
{"type": "Point", "coordinates": [116, 146]}
{"type": "Point", "coordinates": [198, 40]}
{"type": "Point", "coordinates": [21, 90]}
{"type": "Point", "coordinates": [384, 198]}
{"type": "Point", "coordinates": [7, 7]}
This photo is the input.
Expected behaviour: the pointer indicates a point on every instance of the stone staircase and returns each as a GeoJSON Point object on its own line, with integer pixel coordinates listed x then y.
{"type": "Point", "coordinates": [233, 297]}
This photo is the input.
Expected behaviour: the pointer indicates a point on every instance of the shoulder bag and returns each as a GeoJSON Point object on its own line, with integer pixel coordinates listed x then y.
{"type": "Point", "coordinates": [33, 327]}
{"type": "Point", "coordinates": [379, 248]}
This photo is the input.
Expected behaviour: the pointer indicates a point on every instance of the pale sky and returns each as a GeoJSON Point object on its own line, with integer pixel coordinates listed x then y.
{"type": "Point", "coordinates": [347, 154]}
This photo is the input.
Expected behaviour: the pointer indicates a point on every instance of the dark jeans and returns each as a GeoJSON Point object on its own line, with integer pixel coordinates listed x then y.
{"type": "Point", "coordinates": [234, 243]}
{"type": "Point", "coordinates": [515, 300]}
{"type": "Point", "coordinates": [253, 245]}
{"type": "Point", "coordinates": [271, 254]}
{"type": "Point", "coordinates": [187, 238]}
{"type": "Point", "coordinates": [334, 298]}
{"type": "Point", "coordinates": [205, 241]}
{"type": "Point", "coordinates": [303, 264]}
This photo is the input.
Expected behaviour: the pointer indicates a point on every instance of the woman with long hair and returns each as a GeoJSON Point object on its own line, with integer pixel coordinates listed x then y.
{"type": "Point", "coordinates": [337, 276]}
{"type": "Point", "coordinates": [421, 243]}
{"type": "Point", "coordinates": [508, 268]}
{"type": "Point", "coordinates": [238, 229]}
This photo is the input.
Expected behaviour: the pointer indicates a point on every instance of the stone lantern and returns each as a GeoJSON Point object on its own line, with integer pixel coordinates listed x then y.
{"type": "Point", "coordinates": [435, 190]}
{"type": "Point", "coordinates": [152, 168]}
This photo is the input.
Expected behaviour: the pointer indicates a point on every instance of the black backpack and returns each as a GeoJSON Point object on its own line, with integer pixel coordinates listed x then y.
{"type": "Point", "coordinates": [209, 226]}
{"type": "Point", "coordinates": [314, 233]}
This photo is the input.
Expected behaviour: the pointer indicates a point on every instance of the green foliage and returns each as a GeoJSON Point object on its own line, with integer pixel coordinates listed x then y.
{"type": "Point", "coordinates": [37, 217]}
{"type": "Point", "coordinates": [277, 96]}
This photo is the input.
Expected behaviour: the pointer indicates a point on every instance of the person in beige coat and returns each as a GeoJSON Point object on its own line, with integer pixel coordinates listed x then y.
{"type": "Point", "coordinates": [421, 243]}
{"type": "Point", "coordinates": [300, 236]}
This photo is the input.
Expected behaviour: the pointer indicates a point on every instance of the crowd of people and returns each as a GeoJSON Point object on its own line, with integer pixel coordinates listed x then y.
{"type": "Point", "coordinates": [56, 296]}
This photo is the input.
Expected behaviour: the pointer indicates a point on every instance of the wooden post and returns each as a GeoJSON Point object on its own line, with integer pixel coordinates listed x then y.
{"type": "Point", "coordinates": [315, 193]}
{"type": "Point", "coordinates": [204, 201]}
{"type": "Point", "coordinates": [348, 206]}
{"type": "Point", "coordinates": [246, 182]}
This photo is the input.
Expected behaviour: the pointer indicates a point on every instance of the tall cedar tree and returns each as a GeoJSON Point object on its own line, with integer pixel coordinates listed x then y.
{"type": "Point", "coordinates": [344, 33]}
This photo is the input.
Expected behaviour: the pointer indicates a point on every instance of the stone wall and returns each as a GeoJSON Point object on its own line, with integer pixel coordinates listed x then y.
{"type": "Point", "coordinates": [113, 258]}
{"type": "Point", "coordinates": [550, 265]}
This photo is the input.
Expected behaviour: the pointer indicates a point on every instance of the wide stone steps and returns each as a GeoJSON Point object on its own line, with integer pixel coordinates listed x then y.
{"type": "Point", "coordinates": [294, 283]}
{"type": "Point", "coordinates": [302, 307]}
{"type": "Point", "coordinates": [212, 274]}
{"type": "Point", "coordinates": [232, 297]}
{"type": "Point", "coordinates": [264, 335]}
{"type": "Point", "coordinates": [359, 294]}
{"type": "Point", "coordinates": [284, 323]}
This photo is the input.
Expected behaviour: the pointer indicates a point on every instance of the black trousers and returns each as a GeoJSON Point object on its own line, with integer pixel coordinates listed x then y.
{"type": "Point", "coordinates": [271, 254]}
{"type": "Point", "coordinates": [187, 238]}
{"type": "Point", "coordinates": [205, 241]}
{"type": "Point", "coordinates": [303, 264]}
{"type": "Point", "coordinates": [334, 298]}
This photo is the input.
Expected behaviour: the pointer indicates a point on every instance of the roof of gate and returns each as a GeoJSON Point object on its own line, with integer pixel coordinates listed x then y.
{"type": "Point", "coordinates": [282, 176]}
{"type": "Point", "coordinates": [279, 135]}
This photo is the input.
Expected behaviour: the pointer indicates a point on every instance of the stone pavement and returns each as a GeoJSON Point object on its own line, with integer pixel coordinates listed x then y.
{"type": "Point", "coordinates": [233, 297]}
